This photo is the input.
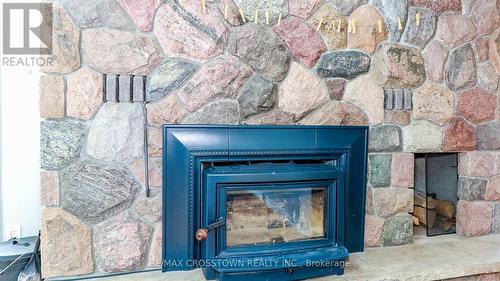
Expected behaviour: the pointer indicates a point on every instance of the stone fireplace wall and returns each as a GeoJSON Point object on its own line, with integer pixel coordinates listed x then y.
{"type": "Point", "coordinates": [204, 69]}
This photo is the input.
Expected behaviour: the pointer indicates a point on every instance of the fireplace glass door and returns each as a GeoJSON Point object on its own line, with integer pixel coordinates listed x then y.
{"type": "Point", "coordinates": [270, 216]}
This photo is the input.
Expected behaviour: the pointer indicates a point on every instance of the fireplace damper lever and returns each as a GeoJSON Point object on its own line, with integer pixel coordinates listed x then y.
{"type": "Point", "coordinates": [202, 233]}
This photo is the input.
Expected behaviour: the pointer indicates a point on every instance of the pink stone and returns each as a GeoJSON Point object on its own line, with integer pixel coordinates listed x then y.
{"type": "Point", "coordinates": [65, 244]}
{"type": "Point", "coordinates": [438, 6]}
{"type": "Point", "coordinates": [149, 207]}
{"type": "Point", "coordinates": [49, 182]}
{"type": "Point", "coordinates": [365, 93]}
{"type": "Point", "coordinates": [336, 88]}
{"type": "Point", "coordinates": [479, 164]}
{"type": "Point", "coordinates": [454, 29]}
{"type": "Point", "coordinates": [85, 90]}
{"type": "Point", "coordinates": [476, 105]}
{"type": "Point", "coordinates": [120, 243]}
{"type": "Point", "coordinates": [474, 218]}
{"type": "Point", "coordinates": [220, 77]}
{"type": "Point", "coordinates": [301, 91]}
{"type": "Point", "coordinates": [303, 41]}
{"type": "Point", "coordinates": [388, 201]}
{"type": "Point", "coordinates": [402, 170]}
{"type": "Point", "coordinates": [459, 136]}
{"type": "Point", "coordinates": [273, 117]}
{"type": "Point", "coordinates": [397, 117]}
{"type": "Point", "coordinates": [155, 250]}
{"type": "Point", "coordinates": [137, 168]}
{"type": "Point", "coordinates": [304, 8]}
{"type": "Point", "coordinates": [51, 96]}
{"type": "Point", "coordinates": [120, 52]}
{"type": "Point", "coordinates": [185, 33]}
{"type": "Point", "coordinates": [482, 48]}
{"type": "Point", "coordinates": [489, 276]}
{"type": "Point", "coordinates": [433, 102]}
{"type": "Point", "coordinates": [336, 113]}
{"type": "Point", "coordinates": [492, 192]}
{"type": "Point", "coordinates": [166, 111]}
{"type": "Point", "coordinates": [374, 227]}
{"type": "Point", "coordinates": [367, 17]}
{"type": "Point", "coordinates": [435, 55]}
{"type": "Point", "coordinates": [494, 50]}
{"type": "Point", "coordinates": [233, 13]}
{"type": "Point", "coordinates": [485, 16]}
{"type": "Point", "coordinates": [141, 12]}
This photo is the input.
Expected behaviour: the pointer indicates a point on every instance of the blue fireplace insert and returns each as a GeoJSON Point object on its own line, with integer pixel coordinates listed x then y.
{"type": "Point", "coordinates": [263, 202]}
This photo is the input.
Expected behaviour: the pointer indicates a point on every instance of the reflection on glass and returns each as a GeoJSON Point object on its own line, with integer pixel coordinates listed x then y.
{"type": "Point", "coordinates": [275, 216]}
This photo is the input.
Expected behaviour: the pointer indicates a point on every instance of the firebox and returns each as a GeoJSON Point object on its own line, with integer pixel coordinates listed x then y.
{"type": "Point", "coordinates": [263, 202]}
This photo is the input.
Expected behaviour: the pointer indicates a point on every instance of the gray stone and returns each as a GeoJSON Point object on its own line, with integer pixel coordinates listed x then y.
{"type": "Point", "coordinates": [275, 8]}
{"type": "Point", "coordinates": [256, 95]}
{"type": "Point", "coordinates": [121, 243]}
{"type": "Point", "coordinates": [391, 10]}
{"type": "Point", "coordinates": [95, 191]}
{"type": "Point", "coordinates": [168, 76]}
{"type": "Point", "coordinates": [420, 35]}
{"type": "Point", "coordinates": [422, 136]}
{"type": "Point", "coordinates": [344, 63]}
{"type": "Point", "coordinates": [488, 136]}
{"type": "Point", "coordinates": [398, 230]}
{"type": "Point", "coordinates": [487, 77]}
{"type": "Point", "coordinates": [261, 48]}
{"type": "Point", "coordinates": [495, 228]}
{"type": "Point", "coordinates": [98, 13]}
{"type": "Point", "coordinates": [461, 68]}
{"type": "Point", "coordinates": [60, 142]}
{"type": "Point", "coordinates": [380, 169]}
{"type": "Point", "coordinates": [471, 189]}
{"type": "Point", "coordinates": [223, 111]}
{"type": "Point", "coordinates": [385, 138]}
{"type": "Point", "coordinates": [117, 132]}
{"type": "Point", "coordinates": [346, 7]}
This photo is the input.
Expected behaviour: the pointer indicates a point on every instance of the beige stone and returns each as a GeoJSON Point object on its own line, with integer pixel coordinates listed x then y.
{"type": "Point", "coordinates": [336, 113]}
{"type": "Point", "coordinates": [49, 182]}
{"type": "Point", "coordinates": [374, 227]}
{"type": "Point", "coordinates": [149, 207]}
{"type": "Point", "coordinates": [398, 117]}
{"type": "Point", "coordinates": [366, 38]}
{"type": "Point", "coordinates": [51, 96]}
{"type": "Point", "coordinates": [433, 102]}
{"type": "Point", "coordinates": [422, 136]}
{"type": "Point", "coordinates": [155, 142]}
{"type": "Point", "coordinates": [137, 168]}
{"type": "Point", "coordinates": [369, 96]}
{"type": "Point", "coordinates": [65, 43]}
{"type": "Point", "coordinates": [333, 39]}
{"type": "Point", "coordinates": [169, 110]}
{"type": "Point", "coordinates": [301, 91]}
{"type": "Point", "coordinates": [273, 117]}
{"type": "Point", "coordinates": [65, 244]}
{"type": "Point", "coordinates": [85, 91]}
{"type": "Point", "coordinates": [390, 201]}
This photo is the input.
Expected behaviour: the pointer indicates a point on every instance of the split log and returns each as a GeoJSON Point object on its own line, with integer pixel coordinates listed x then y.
{"type": "Point", "coordinates": [419, 200]}
{"type": "Point", "coordinates": [420, 213]}
{"type": "Point", "coordinates": [416, 221]}
{"type": "Point", "coordinates": [445, 208]}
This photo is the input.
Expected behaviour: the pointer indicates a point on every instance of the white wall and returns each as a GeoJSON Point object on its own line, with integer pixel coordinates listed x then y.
{"type": "Point", "coordinates": [19, 150]}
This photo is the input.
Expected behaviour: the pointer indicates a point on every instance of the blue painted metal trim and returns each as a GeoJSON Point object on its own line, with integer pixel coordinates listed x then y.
{"type": "Point", "coordinates": [187, 146]}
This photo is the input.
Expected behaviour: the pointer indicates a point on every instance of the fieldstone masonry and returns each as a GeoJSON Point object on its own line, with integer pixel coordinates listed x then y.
{"type": "Point", "coordinates": [204, 69]}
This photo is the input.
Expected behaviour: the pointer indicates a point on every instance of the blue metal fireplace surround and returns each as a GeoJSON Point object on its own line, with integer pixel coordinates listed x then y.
{"type": "Point", "coordinates": [215, 176]}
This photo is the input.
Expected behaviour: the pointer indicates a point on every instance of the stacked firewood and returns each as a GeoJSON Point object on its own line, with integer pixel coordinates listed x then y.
{"type": "Point", "coordinates": [433, 213]}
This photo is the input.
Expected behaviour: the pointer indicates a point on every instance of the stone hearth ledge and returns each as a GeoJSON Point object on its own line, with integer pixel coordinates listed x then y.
{"type": "Point", "coordinates": [436, 258]}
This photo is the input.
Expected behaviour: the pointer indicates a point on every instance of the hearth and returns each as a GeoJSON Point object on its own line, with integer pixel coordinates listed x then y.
{"type": "Point", "coordinates": [263, 202]}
